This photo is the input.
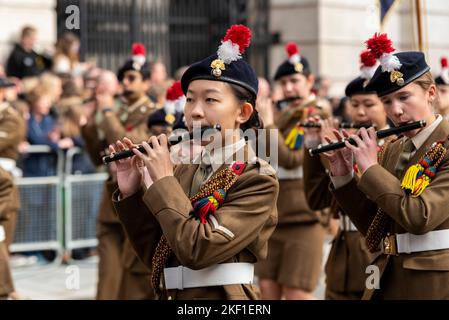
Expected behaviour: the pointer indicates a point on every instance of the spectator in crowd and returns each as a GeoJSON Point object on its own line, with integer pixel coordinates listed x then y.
{"type": "Point", "coordinates": [42, 130]}
{"type": "Point", "coordinates": [264, 89]}
{"type": "Point", "coordinates": [24, 61]}
{"type": "Point", "coordinates": [158, 73]}
{"type": "Point", "coordinates": [66, 59]}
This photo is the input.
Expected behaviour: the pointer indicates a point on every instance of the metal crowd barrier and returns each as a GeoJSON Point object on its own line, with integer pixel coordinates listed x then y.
{"type": "Point", "coordinates": [58, 212]}
{"type": "Point", "coordinates": [39, 222]}
{"type": "Point", "coordinates": [82, 200]}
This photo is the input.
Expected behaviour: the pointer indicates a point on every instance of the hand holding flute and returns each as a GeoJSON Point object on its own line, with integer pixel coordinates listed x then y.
{"type": "Point", "coordinates": [363, 147]}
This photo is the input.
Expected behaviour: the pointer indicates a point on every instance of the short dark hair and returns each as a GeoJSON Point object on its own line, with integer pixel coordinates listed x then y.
{"type": "Point", "coordinates": [244, 95]}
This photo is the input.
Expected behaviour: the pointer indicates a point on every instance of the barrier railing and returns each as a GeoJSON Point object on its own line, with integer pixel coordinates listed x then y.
{"type": "Point", "coordinates": [58, 212]}
{"type": "Point", "coordinates": [39, 222]}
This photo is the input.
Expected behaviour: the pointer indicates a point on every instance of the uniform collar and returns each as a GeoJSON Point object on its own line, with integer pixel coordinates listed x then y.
{"type": "Point", "coordinates": [424, 134]}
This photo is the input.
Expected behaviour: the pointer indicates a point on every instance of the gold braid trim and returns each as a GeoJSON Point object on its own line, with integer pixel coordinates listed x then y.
{"type": "Point", "coordinates": [223, 179]}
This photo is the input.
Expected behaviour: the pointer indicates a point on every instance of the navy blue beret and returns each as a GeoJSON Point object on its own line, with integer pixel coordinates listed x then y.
{"type": "Point", "coordinates": [287, 68]}
{"type": "Point", "coordinates": [160, 118]}
{"type": "Point", "coordinates": [413, 66]}
{"type": "Point", "coordinates": [130, 65]}
{"type": "Point", "coordinates": [357, 86]}
{"type": "Point", "coordinates": [440, 80]}
{"type": "Point", "coordinates": [238, 72]}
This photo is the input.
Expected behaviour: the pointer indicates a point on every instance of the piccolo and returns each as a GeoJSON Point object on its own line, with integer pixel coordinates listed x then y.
{"type": "Point", "coordinates": [281, 104]}
{"type": "Point", "coordinates": [343, 125]}
{"type": "Point", "coordinates": [173, 140]}
{"type": "Point", "coordinates": [380, 135]}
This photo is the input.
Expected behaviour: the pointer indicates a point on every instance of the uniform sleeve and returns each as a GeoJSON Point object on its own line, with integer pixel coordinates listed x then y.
{"type": "Point", "coordinates": [13, 132]}
{"type": "Point", "coordinates": [6, 188]}
{"type": "Point", "coordinates": [93, 145]}
{"type": "Point", "coordinates": [141, 227]}
{"type": "Point", "coordinates": [316, 183]}
{"type": "Point", "coordinates": [114, 129]}
{"type": "Point", "coordinates": [250, 205]}
{"type": "Point", "coordinates": [417, 215]}
{"type": "Point", "coordinates": [287, 158]}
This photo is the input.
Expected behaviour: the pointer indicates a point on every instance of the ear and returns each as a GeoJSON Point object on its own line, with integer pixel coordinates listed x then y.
{"type": "Point", "coordinates": [311, 81]}
{"type": "Point", "coordinates": [432, 93]}
{"type": "Point", "coordinates": [245, 112]}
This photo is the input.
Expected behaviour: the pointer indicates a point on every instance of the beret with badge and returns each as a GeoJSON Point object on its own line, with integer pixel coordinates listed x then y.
{"type": "Point", "coordinates": [136, 63]}
{"type": "Point", "coordinates": [171, 115]}
{"type": "Point", "coordinates": [367, 69]}
{"type": "Point", "coordinates": [395, 70]}
{"type": "Point", "coordinates": [294, 64]}
{"type": "Point", "coordinates": [227, 64]}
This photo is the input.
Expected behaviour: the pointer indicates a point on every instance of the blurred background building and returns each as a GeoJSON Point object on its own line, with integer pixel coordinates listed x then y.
{"type": "Point", "coordinates": [177, 32]}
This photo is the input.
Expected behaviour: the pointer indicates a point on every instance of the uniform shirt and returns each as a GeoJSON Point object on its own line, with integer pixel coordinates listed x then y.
{"type": "Point", "coordinates": [219, 156]}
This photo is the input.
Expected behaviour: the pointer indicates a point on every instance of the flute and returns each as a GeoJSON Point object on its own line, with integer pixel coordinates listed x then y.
{"type": "Point", "coordinates": [380, 135]}
{"type": "Point", "coordinates": [281, 104]}
{"type": "Point", "coordinates": [171, 142]}
{"type": "Point", "coordinates": [343, 125]}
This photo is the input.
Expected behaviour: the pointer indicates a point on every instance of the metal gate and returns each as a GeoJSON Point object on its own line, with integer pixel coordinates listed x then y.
{"type": "Point", "coordinates": [177, 32]}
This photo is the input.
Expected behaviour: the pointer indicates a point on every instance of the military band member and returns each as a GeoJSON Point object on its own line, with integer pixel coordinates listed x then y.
{"type": "Point", "coordinates": [442, 82]}
{"type": "Point", "coordinates": [293, 266]}
{"type": "Point", "coordinates": [348, 258]}
{"type": "Point", "coordinates": [171, 116]}
{"type": "Point", "coordinates": [400, 204]}
{"type": "Point", "coordinates": [202, 227]}
{"type": "Point", "coordinates": [12, 133]}
{"type": "Point", "coordinates": [121, 274]}
{"type": "Point", "coordinates": [6, 281]}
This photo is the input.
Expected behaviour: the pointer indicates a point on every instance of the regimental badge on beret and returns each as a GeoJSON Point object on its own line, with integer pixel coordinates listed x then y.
{"type": "Point", "coordinates": [170, 118]}
{"type": "Point", "coordinates": [396, 76]}
{"type": "Point", "coordinates": [217, 66]}
{"type": "Point", "coordinates": [137, 66]}
{"type": "Point", "coordinates": [299, 67]}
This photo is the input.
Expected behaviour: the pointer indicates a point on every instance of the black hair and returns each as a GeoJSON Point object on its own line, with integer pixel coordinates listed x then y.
{"type": "Point", "coordinates": [244, 95]}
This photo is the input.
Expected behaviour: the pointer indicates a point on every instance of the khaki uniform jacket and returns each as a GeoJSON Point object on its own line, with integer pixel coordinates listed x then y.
{"type": "Point", "coordinates": [420, 275]}
{"type": "Point", "coordinates": [245, 222]}
{"type": "Point", "coordinates": [12, 132]}
{"type": "Point", "coordinates": [292, 204]}
{"type": "Point", "coordinates": [115, 126]}
{"type": "Point", "coordinates": [348, 257]}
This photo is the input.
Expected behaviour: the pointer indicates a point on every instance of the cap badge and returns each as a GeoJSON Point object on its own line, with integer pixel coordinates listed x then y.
{"type": "Point", "coordinates": [299, 67]}
{"type": "Point", "coordinates": [396, 76]}
{"type": "Point", "coordinates": [217, 66]}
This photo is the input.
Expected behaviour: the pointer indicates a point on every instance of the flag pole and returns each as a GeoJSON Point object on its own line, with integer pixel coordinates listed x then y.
{"type": "Point", "coordinates": [419, 24]}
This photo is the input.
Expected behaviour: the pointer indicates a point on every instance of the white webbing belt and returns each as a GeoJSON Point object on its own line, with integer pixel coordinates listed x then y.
{"type": "Point", "coordinates": [2, 234]}
{"type": "Point", "coordinates": [286, 174]}
{"type": "Point", "coordinates": [346, 223]}
{"type": "Point", "coordinates": [216, 275]}
{"type": "Point", "coordinates": [433, 240]}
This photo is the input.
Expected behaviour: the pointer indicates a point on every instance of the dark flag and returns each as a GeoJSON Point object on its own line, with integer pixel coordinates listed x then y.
{"type": "Point", "coordinates": [385, 6]}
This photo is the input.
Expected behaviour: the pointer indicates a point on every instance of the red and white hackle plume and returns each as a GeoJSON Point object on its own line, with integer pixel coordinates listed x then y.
{"type": "Point", "coordinates": [444, 70]}
{"type": "Point", "coordinates": [175, 99]}
{"type": "Point", "coordinates": [234, 44]}
{"type": "Point", "coordinates": [293, 53]}
{"type": "Point", "coordinates": [381, 47]}
{"type": "Point", "coordinates": [138, 53]}
{"type": "Point", "coordinates": [369, 64]}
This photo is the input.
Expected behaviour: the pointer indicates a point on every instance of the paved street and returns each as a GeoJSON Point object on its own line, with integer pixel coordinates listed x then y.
{"type": "Point", "coordinates": [61, 282]}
